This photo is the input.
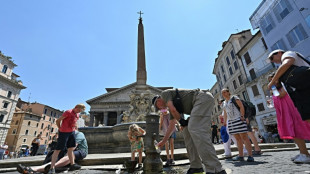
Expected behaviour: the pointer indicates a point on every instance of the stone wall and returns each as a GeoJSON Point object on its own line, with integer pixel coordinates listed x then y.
{"type": "Point", "coordinates": [113, 139]}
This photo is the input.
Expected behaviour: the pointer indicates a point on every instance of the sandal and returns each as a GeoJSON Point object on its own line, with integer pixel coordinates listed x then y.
{"type": "Point", "coordinates": [257, 152]}
{"type": "Point", "coordinates": [25, 170]}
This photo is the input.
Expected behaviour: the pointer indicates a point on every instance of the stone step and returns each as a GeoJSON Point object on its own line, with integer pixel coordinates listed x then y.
{"type": "Point", "coordinates": [119, 158]}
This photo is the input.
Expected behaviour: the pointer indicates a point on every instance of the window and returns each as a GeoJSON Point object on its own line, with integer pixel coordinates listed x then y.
{"type": "Point", "coordinates": [260, 107]}
{"type": "Point", "coordinates": [25, 139]}
{"type": "Point", "coordinates": [225, 77]}
{"type": "Point", "coordinates": [264, 43]}
{"type": "Point", "coordinates": [282, 10]}
{"type": "Point", "coordinates": [308, 20]}
{"type": "Point", "coordinates": [29, 122]}
{"type": "Point", "coordinates": [52, 130]}
{"type": "Point", "coordinates": [252, 74]}
{"type": "Point", "coordinates": [35, 133]}
{"type": "Point", "coordinates": [9, 94]}
{"type": "Point", "coordinates": [50, 119]}
{"type": "Point", "coordinates": [232, 54]}
{"type": "Point", "coordinates": [4, 69]}
{"type": "Point", "coordinates": [247, 58]}
{"type": "Point", "coordinates": [1, 117]}
{"type": "Point", "coordinates": [296, 35]}
{"type": "Point", "coordinates": [48, 127]}
{"type": "Point", "coordinates": [240, 80]}
{"type": "Point", "coordinates": [236, 65]}
{"type": "Point", "coordinates": [14, 131]}
{"type": "Point", "coordinates": [222, 69]}
{"type": "Point", "coordinates": [49, 138]}
{"type": "Point", "coordinates": [5, 105]}
{"type": "Point", "coordinates": [45, 141]}
{"type": "Point", "coordinates": [245, 95]}
{"type": "Point", "coordinates": [255, 90]}
{"type": "Point", "coordinates": [51, 113]}
{"type": "Point", "coordinates": [279, 45]}
{"type": "Point", "coordinates": [26, 133]}
{"type": "Point", "coordinates": [37, 124]}
{"type": "Point", "coordinates": [267, 24]}
{"type": "Point", "coordinates": [230, 71]}
{"type": "Point", "coordinates": [46, 134]}
{"type": "Point", "coordinates": [42, 125]}
{"type": "Point", "coordinates": [43, 117]}
{"type": "Point", "coordinates": [227, 60]}
{"type": "Point", "coordinates": [40, 133]}
{"type": "Point", "coordinates": [54, 114]}
{"type": "Point", "coordinates": [16, 122]}
{"type": "Point", "coordinates": [235, 84]}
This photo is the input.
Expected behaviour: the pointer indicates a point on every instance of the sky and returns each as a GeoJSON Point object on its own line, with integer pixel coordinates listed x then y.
{"type": "Point", "coordinates": [68, 52]}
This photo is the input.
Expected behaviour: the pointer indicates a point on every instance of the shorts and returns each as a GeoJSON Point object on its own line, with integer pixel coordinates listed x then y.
{"type": "Point", "coordinates": [79, 155]}
{"type": "Point", "coordinates": [65, 139]}
{"type": "Point", "coordinates": [173, 135]}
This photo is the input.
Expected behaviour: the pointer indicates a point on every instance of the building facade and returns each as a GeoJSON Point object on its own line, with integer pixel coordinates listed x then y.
{"type": "Point", "coordinates": [10, 88]}
{"type": "Point", "coordinates": [229, 70]}
{"type": "Point", "coordinates": [47, 126]}
{"type": "Point", "coordinates": [285, 24]}
{"type": "Point", "coordinates": [24, 128]}
{"type": "Point", "coordinates": [253, 55]}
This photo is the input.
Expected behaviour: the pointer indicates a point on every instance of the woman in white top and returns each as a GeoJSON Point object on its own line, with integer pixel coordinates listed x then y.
{"type": "Point", "coordinates": [236, 124]}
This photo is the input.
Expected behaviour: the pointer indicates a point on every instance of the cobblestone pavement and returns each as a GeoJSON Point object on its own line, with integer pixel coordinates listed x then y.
{"type": "Point", "coordinates": [268, 163]}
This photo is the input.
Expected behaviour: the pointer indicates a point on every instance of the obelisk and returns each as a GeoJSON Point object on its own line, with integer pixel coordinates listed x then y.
{"type": "Point", "coordinates": [141, 69]}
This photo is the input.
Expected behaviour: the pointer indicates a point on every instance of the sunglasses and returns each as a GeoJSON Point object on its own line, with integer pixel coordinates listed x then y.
{"type": "Point", "coordinates": [271, 57]}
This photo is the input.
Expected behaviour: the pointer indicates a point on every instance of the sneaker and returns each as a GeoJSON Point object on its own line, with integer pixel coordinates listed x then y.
{"type": "Point", "coordinates": [238, 158]}
{"type": "Point", "coordinates": [250, 159]}
{"type": "Point", "coordinates": [172, 162]}
{"type": "Point", "coordinates": [293, 158]}
{"type": "Point", "coordinates": [226, 155]}
{"type": "Point", "coordinates": [52, 171]}
{"type": "Point", "coordinates": [74, 167]}
{"type": "Point", "coordinates": [167, 163]}
{"type": "Point", "coordinates": [139, 167]}
{"type": "Point", "coordinates": [195, 171]}
{"type": "Point", "coordinates": [257, 152]}
{"type": "Point", "coordinates": [302, 158]}
{"type": "Point", "coordinates": [221, 172]}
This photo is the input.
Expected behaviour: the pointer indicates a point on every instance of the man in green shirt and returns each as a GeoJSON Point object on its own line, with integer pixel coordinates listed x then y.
{"type": "Point", "coordinates": [197, 134]}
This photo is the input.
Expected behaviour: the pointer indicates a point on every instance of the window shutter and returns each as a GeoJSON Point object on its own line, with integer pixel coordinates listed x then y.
{"type": "Point", "coordinates": [276, 12]}
{"type": "Point", "coordinates": [302, 30]}
{"type": "Point", "coordinates": [290, 40]}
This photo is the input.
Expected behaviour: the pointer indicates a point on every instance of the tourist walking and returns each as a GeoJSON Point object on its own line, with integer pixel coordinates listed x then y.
{"type": "Point", "coordinates": [197, 134]}
{"type": "Point", "coordinates": [214, 133]}
{"type": "Point", "coordinates": [3, 148]}
{"type": "Point", "coordinates": [66, 138]}
{"type": "Point", "coordinates": [163, 126]}
{"type": "Point", "coordinates": [290, 124]}
{"type": "Point", "coordinates": [35, 145]}
{"type": "Point", "coordinates": [80, 152]}
{"type": "Point", "coordinates": [294, 73]}
{"type": "Point", "coordinates": [237, 125]}
{"type": "Point", "coordinates": [135, 134]}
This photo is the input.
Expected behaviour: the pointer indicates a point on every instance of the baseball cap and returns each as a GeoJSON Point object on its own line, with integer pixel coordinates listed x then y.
{"type": "Point", "coordinates": [272, 53]}
{"type": "Point", "coordinates": [155, 99]}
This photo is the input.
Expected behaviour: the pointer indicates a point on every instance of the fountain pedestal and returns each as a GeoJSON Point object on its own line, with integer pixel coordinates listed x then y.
{"type": "Point", "coordinates": [152, 163]}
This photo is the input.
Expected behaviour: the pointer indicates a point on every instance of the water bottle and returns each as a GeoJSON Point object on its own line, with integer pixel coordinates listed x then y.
{"type": "Point", "coordinates": [275, 92]}
{"type": "Point", "coordinates": [269, 102]}
{"type": "Point", "coordinates": [156, 147]}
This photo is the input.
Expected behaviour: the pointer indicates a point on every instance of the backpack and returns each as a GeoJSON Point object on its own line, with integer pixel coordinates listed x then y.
{"type": "Point", "coordinates": [177, 102]}
{"type": "Point", "coordinates": [249, 108]}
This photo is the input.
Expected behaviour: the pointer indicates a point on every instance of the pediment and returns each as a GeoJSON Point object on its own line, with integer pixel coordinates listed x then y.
{"type": "Point", "coordinates": [121, 94]}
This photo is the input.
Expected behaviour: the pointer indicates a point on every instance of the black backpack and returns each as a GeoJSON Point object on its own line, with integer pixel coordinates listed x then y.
{"type": "Point", "coordinates": [177, 102]}
{"type": "Point", "coordinates": [249, 108]}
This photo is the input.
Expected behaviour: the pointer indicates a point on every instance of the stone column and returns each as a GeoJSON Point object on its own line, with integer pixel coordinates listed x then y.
{"type": "Point", "coordinates": [118, 117]}
{"type": "Point", "coordinates": [91, 121]}
{"type": "Point", "coordinates": [105, 118]}
{"type": "Point", "coordinates": [96, 120]}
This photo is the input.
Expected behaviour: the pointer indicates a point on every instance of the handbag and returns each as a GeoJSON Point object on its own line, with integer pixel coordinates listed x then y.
{"type": "Point", "coordinates": [297, 76]}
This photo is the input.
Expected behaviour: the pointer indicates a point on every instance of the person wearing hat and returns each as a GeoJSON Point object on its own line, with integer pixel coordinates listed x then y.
{"type": "Point", "coordinates": [197, 136]}
{"type": "Point", "coordinates": [299, 96]}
